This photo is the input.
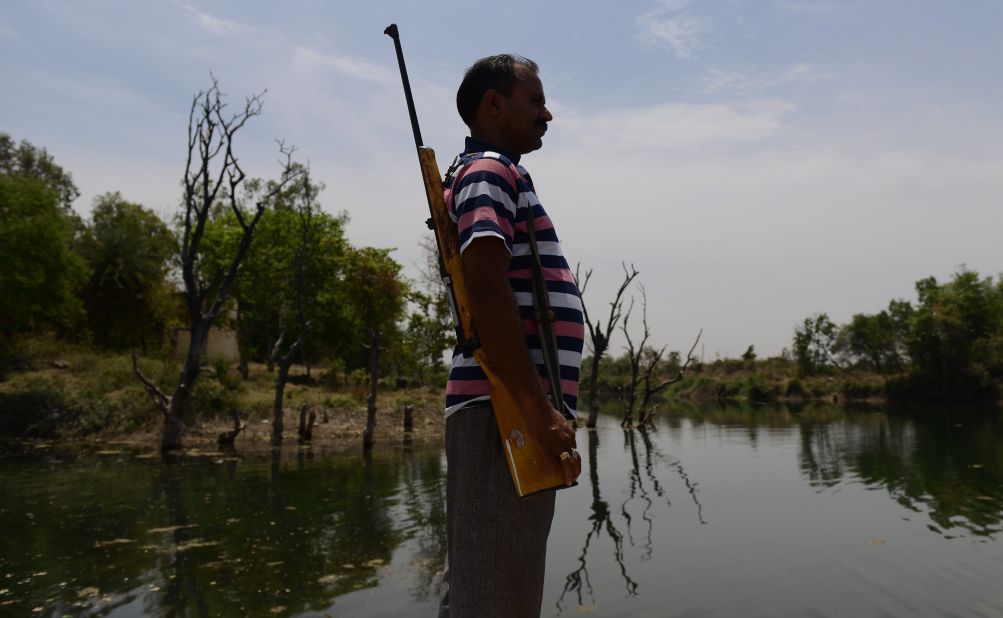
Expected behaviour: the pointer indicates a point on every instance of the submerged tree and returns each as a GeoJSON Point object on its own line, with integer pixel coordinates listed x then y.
{"type": "Point", "coordinates": [598, 336]}
{"type": "Point", "coordinates": [212, 174]}
{"type": "Point", "coordinates": [645, 362]}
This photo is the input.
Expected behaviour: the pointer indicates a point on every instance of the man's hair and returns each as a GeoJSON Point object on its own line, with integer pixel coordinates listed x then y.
{"type": "Point", "coordinates": [491, 73]}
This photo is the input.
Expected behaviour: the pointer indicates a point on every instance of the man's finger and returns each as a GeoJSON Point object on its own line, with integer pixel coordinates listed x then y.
{"type": "Point", "coordinates": [569, 471]}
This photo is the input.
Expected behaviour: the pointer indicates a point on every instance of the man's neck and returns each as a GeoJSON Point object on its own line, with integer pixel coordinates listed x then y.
{"type": "Point", "coordinates": [478, 144]}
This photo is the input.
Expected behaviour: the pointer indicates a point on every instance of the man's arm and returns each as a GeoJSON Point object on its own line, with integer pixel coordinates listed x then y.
{"type": "Point", "coordinates": [496, 320]}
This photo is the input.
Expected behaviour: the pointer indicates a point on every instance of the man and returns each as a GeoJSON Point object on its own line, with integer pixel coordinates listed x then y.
{"type": "Point", "coordinates": [497, 542]}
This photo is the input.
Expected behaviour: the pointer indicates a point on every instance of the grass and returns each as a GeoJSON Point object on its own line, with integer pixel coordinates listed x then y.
{"type": "Point", "coordinates": [71, 392]}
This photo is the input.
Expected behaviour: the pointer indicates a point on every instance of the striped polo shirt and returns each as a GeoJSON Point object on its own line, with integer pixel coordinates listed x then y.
{"type": "Point", "coordinates": [490, 194]}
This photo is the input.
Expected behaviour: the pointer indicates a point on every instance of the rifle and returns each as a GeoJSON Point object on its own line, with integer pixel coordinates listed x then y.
{"type": "Point", "coordinates": [532, 469]}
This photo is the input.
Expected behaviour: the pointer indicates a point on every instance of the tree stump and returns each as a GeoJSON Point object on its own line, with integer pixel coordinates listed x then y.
{"type": "Point", "coordinates": [408, 418]}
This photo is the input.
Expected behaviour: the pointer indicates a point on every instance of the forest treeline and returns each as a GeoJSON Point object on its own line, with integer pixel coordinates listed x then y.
{"type": "Point", "coordinates": [946, 346]}
{"type": "Point", "coordinates": [111, 279]}
{"type": "Point", "coordinates": [259, 258]}
{"type": "Point", "coordinates": [262, 258]}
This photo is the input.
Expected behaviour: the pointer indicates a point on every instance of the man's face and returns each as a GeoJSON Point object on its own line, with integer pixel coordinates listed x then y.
{"type": "Point", "coordinates": [523, 117]}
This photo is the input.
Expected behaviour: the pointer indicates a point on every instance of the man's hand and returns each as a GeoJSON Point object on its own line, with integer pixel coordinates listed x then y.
{"type": "Point", "coordinates": [555, 435]}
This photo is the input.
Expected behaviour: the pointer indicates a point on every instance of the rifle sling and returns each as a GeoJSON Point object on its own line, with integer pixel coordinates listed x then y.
{"type": "Point", "coordinates": [544, 317]}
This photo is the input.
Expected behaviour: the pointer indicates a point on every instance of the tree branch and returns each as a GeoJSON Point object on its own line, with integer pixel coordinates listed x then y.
{"type": "Point", "coordinates": [162, 401]}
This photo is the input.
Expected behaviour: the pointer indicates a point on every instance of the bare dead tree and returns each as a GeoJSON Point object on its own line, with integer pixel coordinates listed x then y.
{"type": "Point", "coordinates": [654, 386]}
{"type": "Point", "coordinates": [598, 336]}
{"type": "Point", "coordinates": [213, 175]}
{"type": "Point", "coordinates": [645, 361]}
{"type": "Point", "coordinates": [302, 301]}
{"type": "Point", "coordinates": [634, 354]}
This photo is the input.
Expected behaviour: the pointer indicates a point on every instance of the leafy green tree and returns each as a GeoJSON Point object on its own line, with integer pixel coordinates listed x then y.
{"type": "Point", "coordinates": [40, 274]}
{"type": "Point", "coordinates": [955, 337]}
{"type": "Point", "coordinates": [263, 293]}
{"type": "Point", "coordinates": [813, 344]}
{"type": "Point", "coordinates": [878, 340]}
{"type": "Point", "coordinates": [376, 295]}
{"type": "Point", "coordinates": [128, 298]}
{"type": "Point", "coordinates": [429, 332]}
{"type": "Point", "coordinates": [29, 161]}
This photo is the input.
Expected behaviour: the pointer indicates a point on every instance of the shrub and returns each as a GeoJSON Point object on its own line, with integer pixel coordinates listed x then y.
{"type": "Point", "coordinates": [859, 389]}
{"type": "Point", "coordinates": [794, 388]}
{"type": "Point", "coordinates": [755, 388]}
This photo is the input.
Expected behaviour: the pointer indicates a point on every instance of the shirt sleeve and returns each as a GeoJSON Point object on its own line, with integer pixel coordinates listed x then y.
{"type": "Point", "coordinates": [484, 202]}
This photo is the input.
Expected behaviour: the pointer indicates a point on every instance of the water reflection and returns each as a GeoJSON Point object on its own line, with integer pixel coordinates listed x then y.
{"type": "Point", "coordinates": [118, 535]}
{"type": "Point", "coordinates": [578, 581]}
{"type": "Point", "coordinates": [643, 483]}
{"type": "Point", "coordinates": [308, 532]}
{"type": "Point", "coordinates": [946, 464]}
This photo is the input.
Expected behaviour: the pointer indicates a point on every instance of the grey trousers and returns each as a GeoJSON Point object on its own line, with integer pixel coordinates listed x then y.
{"type": "Point", "coordinates": [497, 542]}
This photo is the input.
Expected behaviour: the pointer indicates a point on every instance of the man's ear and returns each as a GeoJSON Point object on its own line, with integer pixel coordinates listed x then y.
{"type": "Point", "coordinates": [491, 103]}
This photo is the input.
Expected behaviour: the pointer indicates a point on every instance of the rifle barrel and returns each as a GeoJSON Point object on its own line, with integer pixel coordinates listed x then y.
{"type": "Point", "coordinates": [392, 32]}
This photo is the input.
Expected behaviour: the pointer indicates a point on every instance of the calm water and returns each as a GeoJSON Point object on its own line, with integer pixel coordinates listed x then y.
{"type": "Point", "coordinates": [714, 512]}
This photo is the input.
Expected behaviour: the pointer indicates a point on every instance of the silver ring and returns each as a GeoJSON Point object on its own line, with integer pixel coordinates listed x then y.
{"type": "Point", "coordinates": [572, 455]}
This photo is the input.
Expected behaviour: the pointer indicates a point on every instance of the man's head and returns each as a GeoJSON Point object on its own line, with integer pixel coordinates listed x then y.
{"type": "Point", "coordinates": [501, 100]}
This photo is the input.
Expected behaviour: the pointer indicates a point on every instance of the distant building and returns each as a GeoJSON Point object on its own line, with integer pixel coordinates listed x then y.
{"type": "Point", "coordinates": [222, 343]}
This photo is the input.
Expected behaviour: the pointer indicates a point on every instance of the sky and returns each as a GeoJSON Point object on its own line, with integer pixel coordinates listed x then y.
{"type": "Point", "coordinates": [756, 161]}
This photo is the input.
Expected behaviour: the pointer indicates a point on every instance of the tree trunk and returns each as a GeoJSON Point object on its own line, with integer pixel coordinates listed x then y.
{"type": "Point", "coordinates": [242, 367]}
{"type": "Point", "coordinates": [306, 425]}
{"type": "Point", "coordinates": [242, 358]}
{"type": "Point", "coordinates": [374, 358]}
{"type": "Point", "coordinates": [180, 410]}
{"type": "Point", "coordinates": [408, 418]}
{"type": "Point", "coordinates": [280, 389]}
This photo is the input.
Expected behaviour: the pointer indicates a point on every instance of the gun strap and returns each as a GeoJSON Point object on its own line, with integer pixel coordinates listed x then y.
{"type": "Point", "coordinates": [544, 316]}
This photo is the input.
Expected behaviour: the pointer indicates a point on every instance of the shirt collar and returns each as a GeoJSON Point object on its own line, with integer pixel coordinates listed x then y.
{"type": "Point", "coordinates": [473, 144]}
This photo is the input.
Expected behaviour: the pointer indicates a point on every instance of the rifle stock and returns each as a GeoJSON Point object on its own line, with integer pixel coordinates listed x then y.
{"type": "Point", "coordinates": [532, 470]}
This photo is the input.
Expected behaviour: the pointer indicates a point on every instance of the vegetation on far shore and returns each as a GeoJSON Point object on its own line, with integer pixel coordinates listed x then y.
{"type": "Point", "coordinates": [73, 392]}
{"type": "Point", "coordinates": [78, 297]}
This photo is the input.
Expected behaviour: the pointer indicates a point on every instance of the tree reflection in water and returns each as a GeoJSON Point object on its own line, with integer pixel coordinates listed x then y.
{"type": "Point", "coordinates": [947, 464]}
{"type": "Point", "coordinates": [636, 489]}
{"type": "Point", "coordinates": [578, 580]}
{"type": "Point", "coordinates": [640, 484]}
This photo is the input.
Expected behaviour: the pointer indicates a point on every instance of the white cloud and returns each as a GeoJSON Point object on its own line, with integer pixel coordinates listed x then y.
{"type": "Point", "coordinates": [216, 25]}
{"type": "Point", "coordinates": [308, 60]}
{"type": "Point", "coordinates": [746, 242]}
{"type": "Point", "coordinates": [717, 80]}
{"type": "Point", "coordinates": [673, 125]}
{"type": "Point", "coordinates": [806, 6]}
{"type": "Point", "coordinates": [670, 25]}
